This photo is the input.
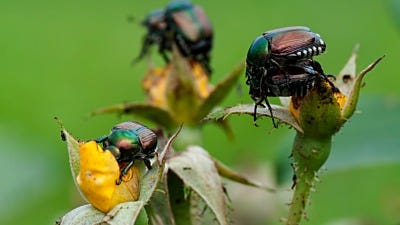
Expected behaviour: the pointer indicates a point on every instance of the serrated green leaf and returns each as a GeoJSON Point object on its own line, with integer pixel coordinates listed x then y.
{"type": "Point", "coordinates": [144, 110]}
{"type": "Point", "coordinates": [180, 206]}
{"type": "Point", "coordinates": [281, 113]}
{"type": "Point", "coordinates": [220, 91]}
{"type": "Point", "coordinates": [122, 214]}
{"type": "Point", "coordinates": [83, 215]}
{"type": "Point", "coordinates": [197, 170]}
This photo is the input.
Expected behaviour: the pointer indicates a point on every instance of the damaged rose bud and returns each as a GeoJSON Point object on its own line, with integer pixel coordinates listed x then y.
{"type": "Point", "coordinates": [97, 175]}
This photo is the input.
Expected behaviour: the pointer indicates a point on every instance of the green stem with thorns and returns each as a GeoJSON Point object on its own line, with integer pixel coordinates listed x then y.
{"type": "Point", "coordinates": [309, 154]}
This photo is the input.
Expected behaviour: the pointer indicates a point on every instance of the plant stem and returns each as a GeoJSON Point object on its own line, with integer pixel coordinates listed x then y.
{"type": "Point", "coordinates": [309, 154]}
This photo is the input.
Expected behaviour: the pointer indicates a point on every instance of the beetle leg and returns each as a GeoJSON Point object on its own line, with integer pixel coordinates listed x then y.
{"type": "Point", "coordinates": [124, 171]}
{"type": "Point", "coordinates": [145, 158]}
{"type": "Point", "coordinates": [162, 47]}
{"type": "Point", "coordinates": [164, 55]}
{"type": "Point", "coordinates": [264, 98]}
{"type": "Point", "coordinates": [324, 76]}
{"type": "Point", "coordinates": [257, 103]}
{"type": "Point", "coordinates": [147, 42]}
{"type": "Point", "coordinates": [147, 163]}
{"type": "Point", "coordinates": [270, 110]}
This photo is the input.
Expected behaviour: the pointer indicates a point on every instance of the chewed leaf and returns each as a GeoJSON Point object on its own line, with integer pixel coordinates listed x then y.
{"type": "Point", "coordinates": [354, 93]}
{"type": "Point", "coordinates": [220, 91]}
{"type": "Point", "coordinates": [123, 214]}
{"type": "Point", "coordinates": [144, 110]}
{"type": "Point", "coordinates": [197, 170]}
{"type": "Point", "coordinates": [345, 79]}
{"type": "Point", "coordinates": [281, 113]}
{"type": "Point", "coordinates": [230, 174]}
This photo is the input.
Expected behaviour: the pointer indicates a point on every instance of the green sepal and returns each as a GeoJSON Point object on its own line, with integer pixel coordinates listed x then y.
{"type": "Point", "coordinates": [281, 113]}
{"type": "Point", "coordinates": [220, 91]}
{"type": "Point", "coordinates": [147, 111]}
{"type": "Point", "coordinates": [182, 99]}
{"type": "Point", "coordinates": [352, 99]}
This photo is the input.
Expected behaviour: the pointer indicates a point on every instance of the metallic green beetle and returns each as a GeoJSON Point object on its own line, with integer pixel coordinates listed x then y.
{"type": "Point", "coordinates": [279, 63]}
{"type": "Point", "coordinates": [183, 24]}
{"type": "Point", "coordinates": [129, 141]}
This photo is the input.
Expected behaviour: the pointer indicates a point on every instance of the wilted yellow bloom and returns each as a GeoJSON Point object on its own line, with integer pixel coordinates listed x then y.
{"type": "Point", "coordinates": [179, 92]}
{"type": "Point", "coordinates": [155, 83]}
{"type": "Point", "coordinates": [97, 178]}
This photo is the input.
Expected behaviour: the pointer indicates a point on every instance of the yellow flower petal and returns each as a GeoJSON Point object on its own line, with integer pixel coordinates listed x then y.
{"type": "Point", "coordinates": [154, 84]}
{"type": "Point", "coordinates": [202, 83]}
{"type": "Point", "coordinates": [97, 178]}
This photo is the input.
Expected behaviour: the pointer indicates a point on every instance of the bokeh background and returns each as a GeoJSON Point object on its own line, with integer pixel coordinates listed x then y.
{"type": "Point", "coordinates": [68, 58]}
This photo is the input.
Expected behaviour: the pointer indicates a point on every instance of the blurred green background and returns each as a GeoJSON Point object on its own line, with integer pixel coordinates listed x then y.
{"type": "Point", "coordinates": [67, 58]}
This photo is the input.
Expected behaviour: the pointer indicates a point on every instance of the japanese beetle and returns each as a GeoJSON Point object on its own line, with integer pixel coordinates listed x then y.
{"type": "Point", "coordinates": [129, 141]}
{"type": "Point", "coordinates": [293, 43]}
{"type": "Point", "coordinates": [191, 30]}
{"type": "Point", "coordinates": [156, 34]}
{"type": "Point", "coordinates": [183, 24]}
{"type": "Point", "coordinates": [279, 63]}
{"type": "Point", "coordinates": [289, 80]}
